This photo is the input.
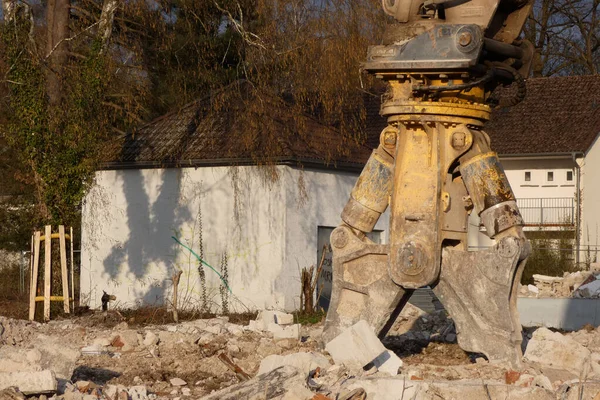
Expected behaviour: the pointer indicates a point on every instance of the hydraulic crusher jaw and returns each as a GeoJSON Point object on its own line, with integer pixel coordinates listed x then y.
{"type": "Point", "coordinates": [433, 167]}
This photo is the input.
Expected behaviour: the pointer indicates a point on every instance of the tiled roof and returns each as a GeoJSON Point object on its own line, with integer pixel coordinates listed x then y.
{"type": "Point", "coordinates": [558, 115]}
{"type": "Point", "coordinates": [194, 135]}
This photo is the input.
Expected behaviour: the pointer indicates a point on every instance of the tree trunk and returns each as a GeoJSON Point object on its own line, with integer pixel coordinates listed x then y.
{"type": "Point", "coordinates": [105, 25]}
{"type": "Point", "coordinates": [56, 47]}
{"type": "Point", "coordinates": [9, 8]}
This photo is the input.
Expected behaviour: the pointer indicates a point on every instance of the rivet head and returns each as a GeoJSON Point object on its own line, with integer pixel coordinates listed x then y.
{"type": "Point", "coordinates": [459, 140]}
{"type": "Point", "coordinates": [465, 39]}
{"type": "Point", "coordinates": [339, 238]}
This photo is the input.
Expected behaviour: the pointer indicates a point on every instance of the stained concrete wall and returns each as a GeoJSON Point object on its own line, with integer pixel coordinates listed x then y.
{"type": "Point", "coordinates": [267, 230]}
{"type": "Point", "coordinates": [566, 314]}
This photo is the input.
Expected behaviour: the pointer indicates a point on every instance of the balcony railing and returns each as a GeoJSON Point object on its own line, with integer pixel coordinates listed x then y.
{"type": "Point", "coordinates": [548, 212]}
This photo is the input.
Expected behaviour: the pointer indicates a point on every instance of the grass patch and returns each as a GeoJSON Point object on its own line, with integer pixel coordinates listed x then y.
{"type": "Point", "coordinates": [309, 318]}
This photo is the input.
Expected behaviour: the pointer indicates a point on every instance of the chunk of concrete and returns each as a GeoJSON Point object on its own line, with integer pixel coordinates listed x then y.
{"type": "Point", "coordinates": [151, 339]}
{"type": "Point", "coordinates": [267, 317]}
{"type": "Point", "coordinates": [557, 351]}
{"type": "Point", "coordinates": [305, 362]}
{"type": "Point", "coordinates": [356, 346]}
{"type": "Point", "coordinates": [284, 319]}
{"type": "Point", "coordinates": [284, 331]}
{"type": "Point", "coordinates": [29, 382]}
{"type": "Point", "coordinates": [388, 362]}
{"type": "Point", "coordinates": [138, 392]}
{"type": "Point", "coordinates": [178, 382]}
{"type": "Point", "coordinates": [274, 385]}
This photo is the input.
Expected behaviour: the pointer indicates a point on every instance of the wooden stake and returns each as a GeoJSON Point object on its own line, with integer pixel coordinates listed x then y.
{"type": "Point", "coordinates": [72, 272]}
{"type": "Point", "coordinates": [31, 255]}
{"type": "Point", "coordinates": [63, 267]}
{"type": "Point", "coordinates": [34, 275]}
{"type": "Point", "coordinates": [47, 272]}
{"type": "Point", "coordinates": [175, 277]}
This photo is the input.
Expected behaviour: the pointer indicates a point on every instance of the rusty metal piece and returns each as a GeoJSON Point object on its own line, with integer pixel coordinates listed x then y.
{"type": "Point", "coordinates": [371, 193]}
{"type": "Point", "coordinates": [465, 39]}
{"type": "Point", "coordinates": [242, 376]}
{"type": "Point", "coordinates": [485, 181]}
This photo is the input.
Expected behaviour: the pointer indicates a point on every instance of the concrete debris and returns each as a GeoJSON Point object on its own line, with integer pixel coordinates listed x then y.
{"type": "Point", "coordinates": [568, 285]}
{"type": "Point", "coordinates": [419, 357]}
{"type": "Point", "coordinates": [267, 317]}
{"type": "Point", "coordinates": [284, 331]}
{"type": "Point", "coordinates": [589, 290]}
{"type": "Point", "coordinates": [388, 362]}
{"type": "Point", "coordinates": [279, 324]}
{"type": "Point", "coordinates": [151, 339]}
{"type": "Point", "coordinates": [285, 380]}
{"type": "Point", "coordinates": [356, 346]}
{"type": "Point", "coordinates": [304, 362]}
{"type": "Point", "coordinates": [29, 383]}
{"type": "Point", "coordinates": [177, 382]}
{"type": "Point", "coordinates": [552, 349]}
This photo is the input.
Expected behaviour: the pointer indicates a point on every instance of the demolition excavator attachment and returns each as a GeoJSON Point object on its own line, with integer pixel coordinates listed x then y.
{"type": "Point", "coordinates": [433, 167]}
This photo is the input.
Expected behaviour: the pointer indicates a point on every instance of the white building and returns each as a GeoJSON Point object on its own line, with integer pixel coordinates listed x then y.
{"type": "Point", "coordinates": [180, 177]}
{"type": "Point", "coordinates": [549, 147]}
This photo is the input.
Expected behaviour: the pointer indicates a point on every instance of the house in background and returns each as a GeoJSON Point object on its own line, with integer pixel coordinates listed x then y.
{"type": "Point", "coordinates": [549, 148]}
{"type": "Point", "coordinates": [184, 180]}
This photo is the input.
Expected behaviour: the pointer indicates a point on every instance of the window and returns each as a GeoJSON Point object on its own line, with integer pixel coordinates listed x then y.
{"type": "Point", "coordinates": [527, 176]}
{"type": "Point", "coordinates": [569, 176]}
{"type": "Point", "coordinates": [550, 177]}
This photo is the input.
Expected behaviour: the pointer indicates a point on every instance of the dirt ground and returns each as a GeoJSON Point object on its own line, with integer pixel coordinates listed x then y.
{"type": "Point", "coordinates": [190, 350]}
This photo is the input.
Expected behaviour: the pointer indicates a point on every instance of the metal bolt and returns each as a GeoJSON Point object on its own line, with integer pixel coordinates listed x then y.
{"type": "Point", "coordinates": [458, 140]}
{"type": "Point", "coordinates": [339, 238]}
{"type": "Point", "coordinates": [389, 138]}
{"type": "Point", "coordinates": [465, 39]}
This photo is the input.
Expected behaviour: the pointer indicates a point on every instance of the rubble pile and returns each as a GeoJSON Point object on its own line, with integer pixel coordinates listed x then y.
{"type": "Point", "coordinates": [580, 284]}
{"type": "Point", "coordinates": [273, 358]}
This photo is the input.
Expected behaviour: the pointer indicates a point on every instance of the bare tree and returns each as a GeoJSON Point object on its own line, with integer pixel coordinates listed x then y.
{"type": "Point", "coordinates": [566, 36]}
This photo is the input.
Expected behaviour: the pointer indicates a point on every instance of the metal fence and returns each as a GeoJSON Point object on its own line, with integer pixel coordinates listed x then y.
{"type": "Point", "coordinates": [559, 211]}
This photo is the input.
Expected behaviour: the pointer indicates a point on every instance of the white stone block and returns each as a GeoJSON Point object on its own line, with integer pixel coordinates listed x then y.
{"type": "Point", "coordinates": [388, 362]}
{"type": "Point", "coordinates": [29, 382]}
{"type": "Point", "coordinates": [557, 351]}
{"type": "Point", "coordinates": [284, 319]}
{"type": "Point", "coordinates": [267, 317]}
{"type": "Point", "coordinates": [356, 346]}
{"type": "Point", "coordinates": [284, 331]}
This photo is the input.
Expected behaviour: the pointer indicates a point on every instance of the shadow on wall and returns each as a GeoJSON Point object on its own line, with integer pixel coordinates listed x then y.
{"type": "Point", "coordinates": [147, 225]}
{"type": "Point", "coordinates": [147, 222]}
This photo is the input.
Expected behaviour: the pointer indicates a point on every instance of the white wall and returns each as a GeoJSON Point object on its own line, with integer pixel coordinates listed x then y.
{"type": "Point", "coordinates": [129, 219]}
{"type": "Point", "coordinates": [315, 198]}
{"type": "Point", "coordinates": [539, 186]}
{"type": "Point", "coordinates": [590, 185]}
{"type": "Point", "coordinates": [268, 231]}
